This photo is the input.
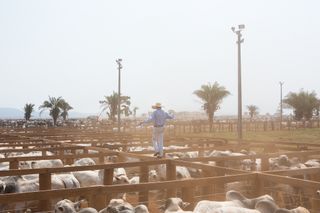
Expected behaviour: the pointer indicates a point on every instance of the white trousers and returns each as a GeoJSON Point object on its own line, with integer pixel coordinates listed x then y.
{"type": "Point", "coordinates": [157, 139]}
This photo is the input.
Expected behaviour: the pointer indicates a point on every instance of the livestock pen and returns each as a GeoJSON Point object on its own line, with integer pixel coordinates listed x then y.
{"type": "Point", "coordinates": [69, 145]}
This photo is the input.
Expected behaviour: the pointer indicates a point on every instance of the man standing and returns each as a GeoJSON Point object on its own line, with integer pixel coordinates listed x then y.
{"type": "Point", "coordinates": [158, 117]}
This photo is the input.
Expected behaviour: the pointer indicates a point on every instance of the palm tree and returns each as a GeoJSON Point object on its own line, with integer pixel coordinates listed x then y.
{"type": "Point", "coordinates": [65, 107]}
{"type": "Point", "coordinates": [304, 104]}
{"type": "Point", "coordinates": [125, 109]}
{"type": "Point", "coordinates": [54, 107]}
{"type": "Point", "coordinates": [28, 109]}
{"type": "Point", "coordinates": [211, 96]}
{"type": "Point", "coordinates": [134, 111]}
{"type": "Point", "coordinates": [317, 108]}
{"type": "Point", "coordinates": [110, 104]}
{"type": "Point", "coordinates": [253, 111]}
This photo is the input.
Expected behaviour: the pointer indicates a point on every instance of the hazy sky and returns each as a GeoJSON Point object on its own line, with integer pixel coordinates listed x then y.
{"type": "Point", "coordinates": [169, 48]}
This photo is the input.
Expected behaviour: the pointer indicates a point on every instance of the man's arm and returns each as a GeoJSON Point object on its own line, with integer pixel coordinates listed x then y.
{"type": "Point", "coordinates": [150, 119]}
{"type": "Point", "coordinates": [168, 116]}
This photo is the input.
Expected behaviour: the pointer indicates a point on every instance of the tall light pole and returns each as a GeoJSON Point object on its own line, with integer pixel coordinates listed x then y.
{"type": "Point", "coordinates": [239, 41]}
{"type": "Point", "coordinates": [281, 83]}
{"type": "Point", "coordinates": [119, 87]}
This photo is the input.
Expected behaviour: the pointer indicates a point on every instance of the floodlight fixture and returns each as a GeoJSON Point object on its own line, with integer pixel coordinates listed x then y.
{"type": "Point", "coordinates": [241, 26]}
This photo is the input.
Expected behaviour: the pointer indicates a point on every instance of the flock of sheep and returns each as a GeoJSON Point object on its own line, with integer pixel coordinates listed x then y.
{"type": "Point", "coordinates": [235, 202]}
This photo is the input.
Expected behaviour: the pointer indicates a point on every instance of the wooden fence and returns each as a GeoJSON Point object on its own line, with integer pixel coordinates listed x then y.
{"type": "Point", "coordinates": [66, 147]}
{"type": "Point", "coordinates": [99, 196]}
{"type": "Point", "coordinates": [180, 127]}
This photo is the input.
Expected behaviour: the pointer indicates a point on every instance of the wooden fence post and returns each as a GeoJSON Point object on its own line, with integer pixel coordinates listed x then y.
{"type": "Point", "coordinates": [73, 151]}
{"type": "Point", "coordinates": [100, 200]}
{"type": "Point", "coordinates": [45, 184]}
{"type": "Point", "coordinates": [108, 177]}
{"type": "Point", "coordinates": [207, 191]}
{"type": "Point", "coordinates": [220, 164]}
{"type": "Point", "coordinates": [188, 196]}
{"type": "Point", "coordinates": [14, 164]}
{"type": "Point", "coordinates": [201, 152]}
{"type": "Point", "coordinates": [171, 175]}
{"type": "Point", "coordinates": [144, 177]}
{"type": "Point", "coordinates": [264, 163]}
{"type": "Point", "coordinates": [270, 148]}
{"type": "Point", "coordinates": [315, 204]}
{"type": "Point", "coordinates": [220, 188]}
{"type": "Point", "coordinates": [70, 160]}
{"type": "Point", "coordinates": [259, 185]}
{"type": "Point", "coordinates": [101, 158]}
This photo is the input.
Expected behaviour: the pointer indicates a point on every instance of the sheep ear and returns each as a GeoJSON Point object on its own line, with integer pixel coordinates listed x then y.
{"type": "Point", "coordinates": [124, 196]}
{"type": "Point", "coordinates": [185, 204]}
{"type": "Point", "coordinates": [20, 177]}
{"type": "Point", "coordinates": [83, 204]}
{"type": "Point", "coordinates": [77, 205]}
{"type": "Point", "coordinates": [162, 207]}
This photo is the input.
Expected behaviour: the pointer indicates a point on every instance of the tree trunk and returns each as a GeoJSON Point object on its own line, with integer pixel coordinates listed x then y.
{"type": "Point", "coordinates": [54, 121]}
{"type": "Point", "coordinates": [210, 122]}
{"type": "Point", "coordinates": [65, 117]}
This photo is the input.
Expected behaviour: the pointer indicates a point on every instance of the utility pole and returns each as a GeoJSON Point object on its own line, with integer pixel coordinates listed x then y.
{"type": "Point", "coordinates": [119, 92]}
{"type": "Point", "coordinates": [239, 41]}
{"type": "Point", "coordinates": [281, 83]}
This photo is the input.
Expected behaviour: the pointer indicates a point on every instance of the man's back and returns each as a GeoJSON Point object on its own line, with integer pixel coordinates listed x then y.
{"type": "Point", "coordinates": [159, 117]}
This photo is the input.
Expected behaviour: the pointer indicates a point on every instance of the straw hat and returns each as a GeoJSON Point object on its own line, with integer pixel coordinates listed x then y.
{"type": "Point", "coordinates": [156, 106]}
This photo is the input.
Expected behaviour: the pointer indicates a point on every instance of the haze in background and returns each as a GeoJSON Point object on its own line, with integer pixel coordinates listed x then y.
{"type": "Point", "coordinates": [169, 48]}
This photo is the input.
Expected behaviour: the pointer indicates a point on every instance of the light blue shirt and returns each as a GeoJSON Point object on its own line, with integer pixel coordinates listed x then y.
{"type": "Point", "coordinates": [158, 118]}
